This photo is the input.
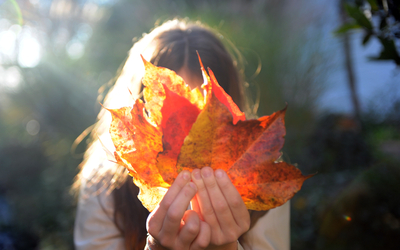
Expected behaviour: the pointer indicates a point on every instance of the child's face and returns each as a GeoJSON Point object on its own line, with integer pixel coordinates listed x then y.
{"type": "Point", "coordinates": [189, 78]}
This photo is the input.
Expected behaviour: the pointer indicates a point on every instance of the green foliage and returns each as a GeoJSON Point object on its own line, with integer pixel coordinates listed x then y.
{"type": "Point", "coordinates": [346, 27]}
{"type": "Point", "coordinates": [379, 19]}
{"type": "Point", "coordinates": [358, 16]}
{"type": "Point", "coordinates": [37, 170]}
{"type": "Point", "coordinates": [388, 52]}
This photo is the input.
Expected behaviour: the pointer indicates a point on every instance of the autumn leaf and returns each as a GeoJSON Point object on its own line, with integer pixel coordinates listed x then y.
{"type": "Point", "coordinates": [181, 131]}
{"type": "Point", "coordinates": [246, 150]}
{"type": "Point", "coordinates": [139, 138]}
{"type": "Point", "coordinates": [149, 195]}
{"type": "Point", "coordinates": [178, 116]}
{"type": "Point", "coordinates": [267, 185]}
{"type": "Point", "coordinates": [154, 94]}
{"type": "Point", "coordinates": [137, 142]}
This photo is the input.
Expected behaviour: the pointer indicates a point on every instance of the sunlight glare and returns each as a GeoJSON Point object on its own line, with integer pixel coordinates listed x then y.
{"type": "Point", "coordinates": [10, 77]}
{"type": "Point", "coordinates": [29, 50]}
{"type": "Point", "coordinates": [7, 43]}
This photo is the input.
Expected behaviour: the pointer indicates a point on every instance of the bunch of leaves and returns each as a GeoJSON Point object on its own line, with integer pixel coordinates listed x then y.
{"type": "Point", "coordinates": [180, 129]}
{"type": "Point", "coordinates": [379, 19]}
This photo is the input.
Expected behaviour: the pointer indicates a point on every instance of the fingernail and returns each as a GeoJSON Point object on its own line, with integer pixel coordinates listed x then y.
{"type": "Point", "coordinates": [206, 172]}
{"type": "Point", "coordinates": [219, 173]}
{"type": "Point", "coordinates": [191, 184]}
{"type": "Point", "coordinates": [196, 174]}
{"type": "Point", "coordinates": [186, 175]}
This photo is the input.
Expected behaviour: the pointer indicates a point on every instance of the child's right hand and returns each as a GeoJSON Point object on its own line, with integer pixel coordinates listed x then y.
{"type": "Point", "coordinates": [171, 226]}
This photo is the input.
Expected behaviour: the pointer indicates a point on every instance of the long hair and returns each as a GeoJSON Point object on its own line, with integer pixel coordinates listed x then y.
{"type": "Point", "coordinates": [172, 45]}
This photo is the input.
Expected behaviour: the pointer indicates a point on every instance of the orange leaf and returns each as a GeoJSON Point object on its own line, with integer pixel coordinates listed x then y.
{"type": "Point", "coordinates": [137, 142]}
{"type": "Point", "coordinates": [149, 195]}
{"type": "Point", "coordinates": [210, 141]}
{"type": "Point", "coordinates": [154, 94]}
{"type": "Point", "coordinates": [267, 185]}
{"type": "Point", "coordinates": [182, 132]}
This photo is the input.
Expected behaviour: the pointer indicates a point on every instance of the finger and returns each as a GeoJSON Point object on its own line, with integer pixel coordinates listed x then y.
{"type": "Point", "coordinates": [189, 230]}
{"type": "Point", "coordinates": [204, 203]}
{"type": "Point", "coordinates": [174, 215]}
{"type": "Point", "coordinates": [233, 198]}
{"type": "Point", "coordinates": [218, 201]}
{"type": "Point", "coordinates": [156, 218]}
{"type": "Point", "coordinates": [203, 238]}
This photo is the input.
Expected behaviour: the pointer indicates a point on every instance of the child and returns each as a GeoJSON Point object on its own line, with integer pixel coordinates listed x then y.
{"type": "Point", "coordinates": [110, 216]}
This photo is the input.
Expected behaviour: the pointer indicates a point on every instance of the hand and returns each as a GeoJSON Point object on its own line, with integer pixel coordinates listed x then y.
{"type": "Point", "coordinates": [220, 205]}
{"type": "Point", "coordinates": [171, 226]}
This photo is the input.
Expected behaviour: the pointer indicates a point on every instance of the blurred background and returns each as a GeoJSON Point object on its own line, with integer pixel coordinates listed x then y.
{"type": "Point", "coordinates": [335, 63]}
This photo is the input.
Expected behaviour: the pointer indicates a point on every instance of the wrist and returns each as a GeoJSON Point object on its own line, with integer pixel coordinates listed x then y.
{"type": "Point", "coordinates": [229, 246]}
{"type": "Point", "coordinates": [153, 244]}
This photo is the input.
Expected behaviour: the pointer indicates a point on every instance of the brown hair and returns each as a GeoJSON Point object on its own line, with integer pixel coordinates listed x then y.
{"type": "Point", "coordinates": [177, 49]}
{"type": "Point", "coordinates": [172, 45]}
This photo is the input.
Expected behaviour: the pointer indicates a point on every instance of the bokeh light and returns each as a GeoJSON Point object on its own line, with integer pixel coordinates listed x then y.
{"type": "Point", "coordinates": [33, 127]}
{"type": "Point", "coordinates": [29, 53]}
{"type": "Point", "coordinates": [347, 218]}
{"type": "Point", "coordinates": [75, 49]}
{"type": "Point", "coordinates": [10, 77]}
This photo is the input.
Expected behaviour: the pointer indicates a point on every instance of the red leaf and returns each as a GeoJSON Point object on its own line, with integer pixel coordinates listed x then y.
{"type": "Point", "coordinates": [178, 115]}
{"type": "Point", "coordinates": [225, 99]}
{"type": "Point", "coordinates": [154, 94]}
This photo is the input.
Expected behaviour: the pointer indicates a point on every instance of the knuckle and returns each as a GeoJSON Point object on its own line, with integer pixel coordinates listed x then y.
{"type": "Point", "coordinates": [246, 226]}
{"type": "Point", "coordinates": [236, 202]}
{"type": "Point", "coordinates": [216, 238]}
{"type": "Point", "coordinates": [208, 211]}
{"type": "Point", "coordinates": [202, 243]}
{"type": "Point", "coordinates": [151, 225]}
{"type": "Point", "coordinates": [192, 228]}
{"type": "Point", "coordinates": [218, 241]}
{"type": "Point", "coordinates": [165, 204]}
{"type": "Point", "coordinates": [189, 191]}
{"type": "Point", "coordinates": [221, 206]}
{"type": "Point", "coordinates": [173, 215]}
{"type": "Point", "coordinates": [225, 238]}
{"type": "Point", "coordinates": [231, 237]}
{"type": "Point", "coordinates": [201, 187]}
{"type": "Point", "coordinates": [245, 223]}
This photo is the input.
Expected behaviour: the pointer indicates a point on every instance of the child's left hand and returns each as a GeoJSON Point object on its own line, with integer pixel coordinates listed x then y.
{"type": "Point", "coordinates": [220, 205]}
{"type": "Point", "coordinates": [171, 225]}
